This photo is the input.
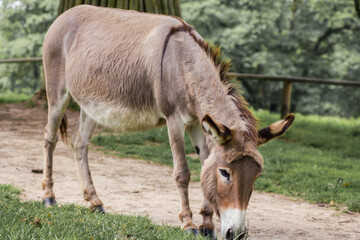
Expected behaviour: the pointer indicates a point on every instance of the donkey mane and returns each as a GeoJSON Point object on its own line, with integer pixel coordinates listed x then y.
{"type": "Point", "coordinates": [214, 52]}
{"type": "Point", "coordinates": [224, 66]}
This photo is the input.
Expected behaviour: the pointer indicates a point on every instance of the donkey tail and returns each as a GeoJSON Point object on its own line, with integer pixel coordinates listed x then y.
{"type": "Point", "coordinates": [63, 129]}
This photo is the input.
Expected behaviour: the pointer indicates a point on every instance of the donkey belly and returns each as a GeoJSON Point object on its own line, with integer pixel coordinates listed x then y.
{"type": "Point", "coordinates": [123, 118]}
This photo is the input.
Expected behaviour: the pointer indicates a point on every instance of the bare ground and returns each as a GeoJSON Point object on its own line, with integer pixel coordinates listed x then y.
{"type": "Point", "coordinates": [137, 187]}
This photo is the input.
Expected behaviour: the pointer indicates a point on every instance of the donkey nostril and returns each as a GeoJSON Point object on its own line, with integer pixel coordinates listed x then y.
{"type": "Point", "coordinates": [229, 234]}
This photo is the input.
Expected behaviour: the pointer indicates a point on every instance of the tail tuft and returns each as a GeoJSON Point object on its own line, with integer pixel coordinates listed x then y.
{"type": "Point", "coordinates": [63, 129]}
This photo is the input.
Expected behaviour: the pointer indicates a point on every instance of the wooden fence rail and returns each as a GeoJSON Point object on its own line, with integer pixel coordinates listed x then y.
{"type": "Point", "coordinates": [296, 79]}
{"type": "Point", "coordinates": [286, 97]}
{"type": "Point", "coordinates": [21, 60]}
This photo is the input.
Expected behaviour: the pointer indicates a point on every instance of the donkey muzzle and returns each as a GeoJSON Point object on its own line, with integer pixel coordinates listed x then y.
{"type": "Point", "coordinates": [233, 223]}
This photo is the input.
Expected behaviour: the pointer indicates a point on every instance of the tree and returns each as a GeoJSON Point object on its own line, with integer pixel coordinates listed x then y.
{"type": "Point", "coordinates": [357, 7]}
{"type": "Point", "coordinates": [168, 7]}
{"type": "Point", "coordinates": [308, 38]}
{"type": "Point", "coordinates": [22, 28]}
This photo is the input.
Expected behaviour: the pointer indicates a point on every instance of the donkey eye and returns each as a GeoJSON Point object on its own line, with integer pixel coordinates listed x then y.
{"type": "Point", "coordinates": [225, 173]}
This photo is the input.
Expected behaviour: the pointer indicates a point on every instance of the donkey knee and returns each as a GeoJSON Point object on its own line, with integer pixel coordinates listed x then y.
{"type": "Point", "coordinates": [79, 145]}
{"type": "Point", "coordinates": [182, 177]}
{"type": "Point", "coordinates": [76, 140]}
{"type": "Point", "coordinates": [206, 210]}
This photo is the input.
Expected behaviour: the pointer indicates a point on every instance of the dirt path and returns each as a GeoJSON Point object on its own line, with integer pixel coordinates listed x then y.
{"type": "Point", "coordinates": [137, 187]}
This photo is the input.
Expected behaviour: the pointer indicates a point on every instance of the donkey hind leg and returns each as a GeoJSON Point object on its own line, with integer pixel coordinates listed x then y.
{"type": "Point", "coordinates": [55, 115]}
{"type": "Point", "coordinates": [80, 143]}
{"type": "Point", "coordinates": [199, 142]}
{"type": "Point", "coordinates": [181, 172]}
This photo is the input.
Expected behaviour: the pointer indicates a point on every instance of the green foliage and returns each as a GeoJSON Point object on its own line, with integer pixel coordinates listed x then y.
{"type": "Point", "coordinates": [310, 38]}
{"type": "Point", "coordinates": [31, 220]}
{"type": "Point", "coordinates": [22, 28]}
{"type": "Point", "coordinates": [316, 160]}
{"type": "Point", "coordinates": [11, 97]}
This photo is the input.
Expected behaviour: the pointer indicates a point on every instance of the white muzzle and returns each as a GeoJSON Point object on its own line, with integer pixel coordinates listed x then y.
{"type": "Point", "coordinates": [232, 222]}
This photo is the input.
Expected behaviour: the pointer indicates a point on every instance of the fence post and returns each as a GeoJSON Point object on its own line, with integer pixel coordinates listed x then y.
{"type": "Point", "coordinates": [286, 99]}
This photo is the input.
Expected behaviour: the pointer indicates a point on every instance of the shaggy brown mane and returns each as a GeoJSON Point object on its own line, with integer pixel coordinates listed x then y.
{"type": "Point", "coordinates": [223, 65]}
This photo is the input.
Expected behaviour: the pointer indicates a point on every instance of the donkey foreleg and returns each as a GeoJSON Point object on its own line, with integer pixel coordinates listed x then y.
{"type": "Point", "coordinates": [80, 146]}
{"type": "Point", "coordinates": [181, 172]}
{"type": "Point", "coordinates": [199, 142]}
{"type": "Point", "coordinates": [207, 228]}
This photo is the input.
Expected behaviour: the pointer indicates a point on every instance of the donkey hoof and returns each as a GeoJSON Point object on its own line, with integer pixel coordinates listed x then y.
{"type": "Point", "coordinates": [98, 209]}
{"type": "Point", "coordinates": [48, 202]}
{"type": "Point", "coordinates": [208, 233]}
{"type": "Point", "coordinates": [193, 231]}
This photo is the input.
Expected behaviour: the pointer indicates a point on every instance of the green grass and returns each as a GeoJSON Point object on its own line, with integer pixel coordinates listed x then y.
{"type": "Point", "coordinates": [10, 97]}
{"type": "Point", "coordinates": [151, 145]}
{"type": "Point", "coordinates": [317, 159]}
{"type": "Point", "coordinates": [31, 220]}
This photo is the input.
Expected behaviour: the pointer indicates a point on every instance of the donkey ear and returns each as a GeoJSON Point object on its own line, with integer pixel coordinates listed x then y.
{"type": "Point", "coordinates": [218, 132]}
{"type": "Point", "coordinates": [275, 130]}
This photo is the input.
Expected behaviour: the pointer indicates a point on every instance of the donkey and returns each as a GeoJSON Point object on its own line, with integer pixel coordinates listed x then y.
{"type": "Point", "coordinates": [133, 71]}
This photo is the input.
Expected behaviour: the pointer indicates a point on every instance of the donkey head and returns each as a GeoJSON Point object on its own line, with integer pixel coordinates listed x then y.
{"type": "Point", "coordinates": [230, 171]}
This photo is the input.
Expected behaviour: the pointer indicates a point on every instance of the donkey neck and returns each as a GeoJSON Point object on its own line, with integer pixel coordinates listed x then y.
{"type": "Point", "coordinates": [200, 82]}
{"type": "Point", "coordinates": [211, 97]}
